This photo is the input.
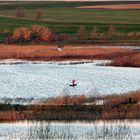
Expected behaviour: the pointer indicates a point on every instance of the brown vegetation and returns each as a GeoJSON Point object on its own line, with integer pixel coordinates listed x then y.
{"type": "Point", "coordinates": [39, 14]}
{"type": "Point", "coordinates": [95, 32]}
{"type": "Point", "coordinates": [82, 32]}
{"type": "Point", "coordinates": [69, 52]}
{"type": "Point", "coordinates": [20, 12]}
{"type": "Point", "coordinates": [132, 97]}
{"type": "Point", "coordinates": [126, 106]}
{"type": "Point", "coordinates": [132, 60]}
{"type": "Point", "coordinates": [33, 33]}
{"type": "Point", "coordinates": [41, 34]}
{"type": "Point", "coordinates": [14, 115]}
{"type": "Point", "coordinates": [66, 100]}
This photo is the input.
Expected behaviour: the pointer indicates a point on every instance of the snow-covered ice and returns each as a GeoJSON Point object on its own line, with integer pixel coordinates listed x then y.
{"type": "Point", "coordinates": [48, 79]}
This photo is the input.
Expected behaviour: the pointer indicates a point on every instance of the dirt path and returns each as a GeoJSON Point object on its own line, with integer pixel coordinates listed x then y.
{"type": "Point", "coordinates": [114, 6]}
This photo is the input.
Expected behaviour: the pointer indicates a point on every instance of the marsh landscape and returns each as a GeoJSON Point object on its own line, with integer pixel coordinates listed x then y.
{"type": "Point", "coordinates": [69, 70]}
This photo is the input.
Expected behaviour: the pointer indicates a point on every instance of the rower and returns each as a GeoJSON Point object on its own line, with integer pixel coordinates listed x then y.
{"type": "Point", "coordinates": [73, 83]}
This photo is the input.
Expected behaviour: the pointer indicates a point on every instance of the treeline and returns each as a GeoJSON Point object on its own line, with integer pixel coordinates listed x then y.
{"type": "Point", "coordinates": [111, 33]}
{"type": "Point", "coordinates": [40, 33]}
{"type": "Point", "coordinates": [36, 33]}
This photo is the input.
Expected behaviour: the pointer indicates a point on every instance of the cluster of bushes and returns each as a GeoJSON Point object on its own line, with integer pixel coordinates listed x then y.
{"type": "Point", "coordinates": [42, 33]}
{"type": "Point", "coordinates": [36, 33]}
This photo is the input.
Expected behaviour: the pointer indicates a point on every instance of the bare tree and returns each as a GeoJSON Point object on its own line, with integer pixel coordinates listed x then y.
{"type": "Point", "coordinates": [20, 12]}
{"type": "Point", "coordinates": [82, 32]}
{"type": "Point", "coordinates": [39, 14]}
{"type": "Point", "coordinates": [94, 32]}
{"type": "Point", "coordinates": [112, 31]}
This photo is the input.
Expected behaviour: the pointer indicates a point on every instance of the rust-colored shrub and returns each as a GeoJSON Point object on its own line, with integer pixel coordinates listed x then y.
{"type": "Point", "coordinates": [41, 33]}
{"type": "Point", "coordinates": [36, 32]}
{"type": "Point", "coordinates": [22, 34]}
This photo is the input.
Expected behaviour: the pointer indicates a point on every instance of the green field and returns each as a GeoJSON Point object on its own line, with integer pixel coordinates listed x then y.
{"type": "Point", "coordinates": [63, 17]}
{"type": "Point", "coordinates": [82, 15]}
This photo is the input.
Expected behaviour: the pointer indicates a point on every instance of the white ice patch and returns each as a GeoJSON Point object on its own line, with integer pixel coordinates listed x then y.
{"type": "Point", "coordinates": [49, 79]}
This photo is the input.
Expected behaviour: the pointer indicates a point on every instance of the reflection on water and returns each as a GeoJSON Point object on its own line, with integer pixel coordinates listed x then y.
{"type": "Point", "coordinates": [61, 130]}
{"type": "Point", "coordinates": [41, 131]}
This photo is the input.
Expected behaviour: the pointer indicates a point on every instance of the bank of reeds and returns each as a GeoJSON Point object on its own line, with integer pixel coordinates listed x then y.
{"type": "Point", "coordinates": [132, 60]}
{"type": "Point", "coordinates": [76, 108]}
{"type": "Point", "coordinates": [69, 52]}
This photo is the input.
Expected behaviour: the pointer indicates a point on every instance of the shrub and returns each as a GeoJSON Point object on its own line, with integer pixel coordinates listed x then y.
{"type": "Point", "coordinates": [21, 34]}
{"type": "Point", "coordinates": [41, 33]}
{"type": "Point", "coordinates": [36, 32]}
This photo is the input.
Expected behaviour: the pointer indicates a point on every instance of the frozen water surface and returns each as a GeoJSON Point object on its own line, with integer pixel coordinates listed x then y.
{"type": "Point", "coordinates": [39, 80]}
{"type": "Point", "coordinates": [80, 130]}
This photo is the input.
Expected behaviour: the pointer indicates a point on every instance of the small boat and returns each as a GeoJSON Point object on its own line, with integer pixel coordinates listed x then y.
{"type": "Point", "coordinates": [73, 83]}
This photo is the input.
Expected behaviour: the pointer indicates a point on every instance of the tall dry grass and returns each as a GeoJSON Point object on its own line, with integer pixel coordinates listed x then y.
{"type": "Point", "coordinates": [69, 52]}
{"type": "Point", "coordinates": [132, 60]}
{"type": "Point", "coordinates": [126, 106]}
